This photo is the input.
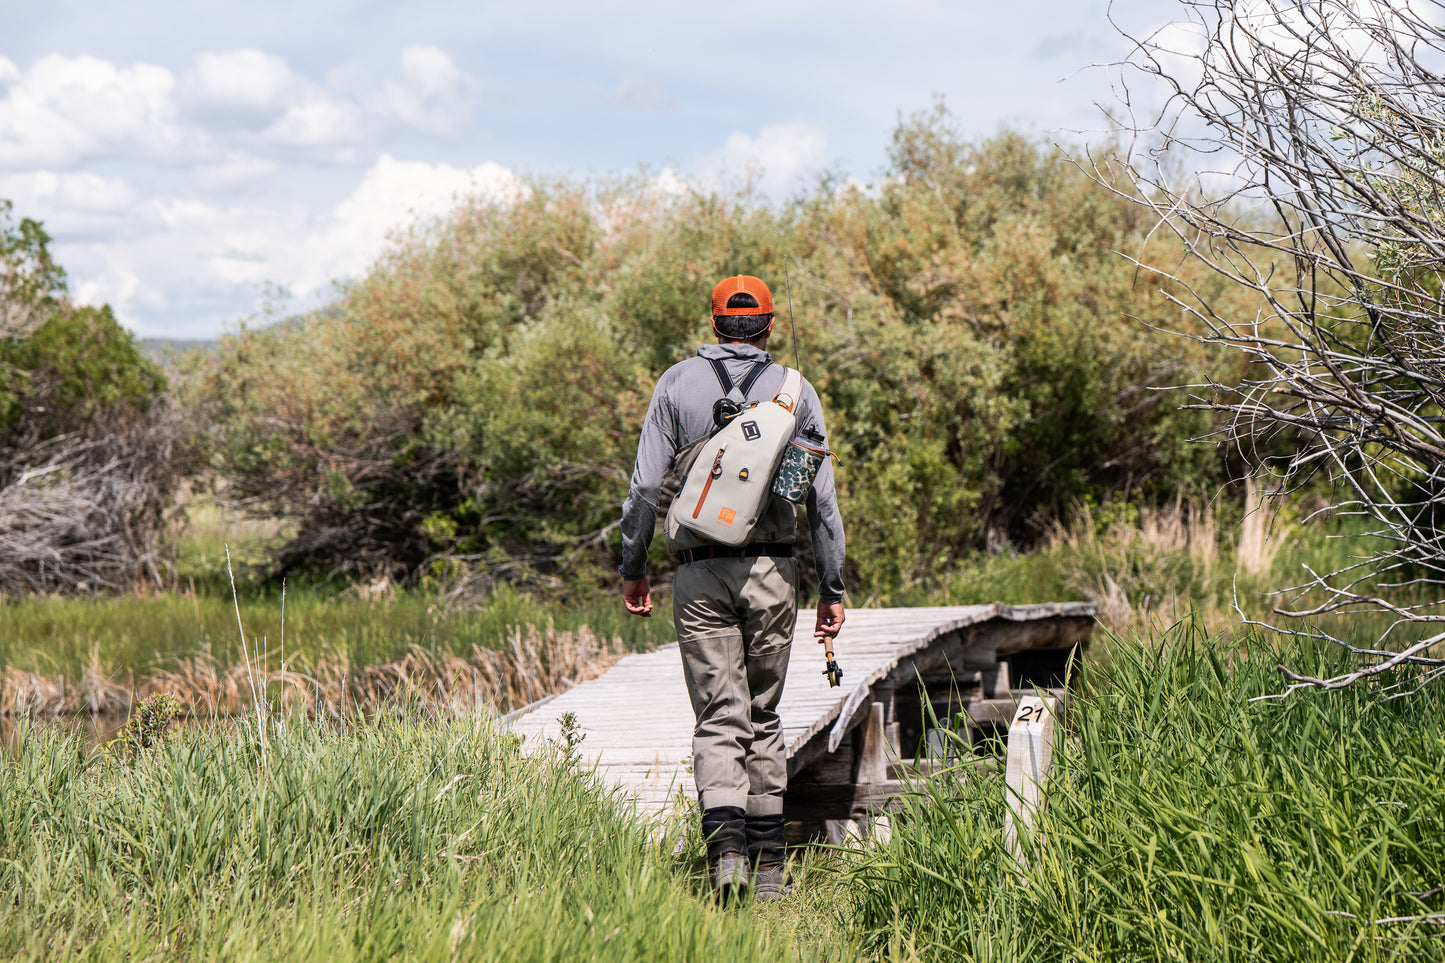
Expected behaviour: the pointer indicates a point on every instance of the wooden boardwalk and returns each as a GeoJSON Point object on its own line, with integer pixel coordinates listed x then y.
{"type": "Point", "coordinates": [637, 722]}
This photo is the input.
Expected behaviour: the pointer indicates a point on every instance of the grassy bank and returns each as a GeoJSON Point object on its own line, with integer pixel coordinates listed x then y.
{"type": "Point", "coordinates": [1185, 822]}
{"type": "Point", "coordinates": [135, 636]}
{"type": "Point", "coordinates": [1144, 570]}
{"type": "Point", "coordinates": [147, 633]}
{"type": "Point", "coordinates": [402, 839]}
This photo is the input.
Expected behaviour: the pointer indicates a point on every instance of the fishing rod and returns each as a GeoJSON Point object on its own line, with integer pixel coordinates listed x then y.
{"type": "Point", "coordinates": [831, 670]}
{"type": "Point", "coordinates": [788, 284]}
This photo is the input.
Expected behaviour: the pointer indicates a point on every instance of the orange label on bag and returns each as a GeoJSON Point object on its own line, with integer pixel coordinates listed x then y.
{"type": "Point", "coordinates": [726, 516]}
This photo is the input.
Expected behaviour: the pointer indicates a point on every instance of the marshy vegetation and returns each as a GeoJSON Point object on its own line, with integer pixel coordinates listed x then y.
{"type": "Point", "coordinates": [1184, 821]}
{"type": "Point", "coordinates": [404, 836]}
{"type": "Point", "coordinates": [1187, 822]}
{"type": "Point", "coordinates": [404, 505]}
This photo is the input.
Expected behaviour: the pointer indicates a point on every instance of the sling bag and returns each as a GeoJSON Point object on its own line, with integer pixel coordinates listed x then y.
{"type": "Point", "coordinates": [727, 487]}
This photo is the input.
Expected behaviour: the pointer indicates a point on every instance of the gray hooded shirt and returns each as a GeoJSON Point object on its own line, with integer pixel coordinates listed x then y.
{"type": "Point", "coordinates": [679, 416]}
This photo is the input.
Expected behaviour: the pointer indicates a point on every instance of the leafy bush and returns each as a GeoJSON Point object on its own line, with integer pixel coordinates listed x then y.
{"type": "Point", "coordinates": [472, 405]}
{"type": "Point", "coordinates": [985, 356]}
{"type": "Point", "coordinates": [92, 451]}
{"type": "Point", "coordinates": [151, 724]}
{"type": "Point", "coordinates": [476, 399]}
{"type": "Point", "coordinates": [79, 369]}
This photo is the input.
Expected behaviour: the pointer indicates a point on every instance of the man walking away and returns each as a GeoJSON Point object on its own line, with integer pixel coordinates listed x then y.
{"type": "Point", "coordinates": [734, 608]}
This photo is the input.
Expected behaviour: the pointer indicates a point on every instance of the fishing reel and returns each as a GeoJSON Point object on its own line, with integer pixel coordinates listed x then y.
{"type": "Point", "coordinates": [831, 671]}
{"type": "Point", "coordinates": [725, 410]}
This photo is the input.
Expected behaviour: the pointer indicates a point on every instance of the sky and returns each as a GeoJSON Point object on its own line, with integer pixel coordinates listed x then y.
{"type": "Point", "coordinates": [193, 162]}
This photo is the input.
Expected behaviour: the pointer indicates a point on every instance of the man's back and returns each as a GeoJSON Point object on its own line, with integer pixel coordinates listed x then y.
{"type": "Point", "coordinates": [681, 415]}
{"type": "Point", "coordinates": [734, 607]}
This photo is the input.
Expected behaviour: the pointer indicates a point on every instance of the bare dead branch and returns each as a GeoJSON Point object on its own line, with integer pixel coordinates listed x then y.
{"type": "Point", "coordinates": [1329, 203]}
{"type": "Point", "coordinates": [87, 512]}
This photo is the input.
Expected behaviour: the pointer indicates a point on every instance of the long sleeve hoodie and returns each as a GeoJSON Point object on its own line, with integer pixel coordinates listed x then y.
{"type": "Point", "coordinates": [680, 415]}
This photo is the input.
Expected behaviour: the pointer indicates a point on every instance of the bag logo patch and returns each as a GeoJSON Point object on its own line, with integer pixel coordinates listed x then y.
{"type": "Point", "coordinates": [727, 516]}
{"type": "Point", "coordinates": [751, 431]}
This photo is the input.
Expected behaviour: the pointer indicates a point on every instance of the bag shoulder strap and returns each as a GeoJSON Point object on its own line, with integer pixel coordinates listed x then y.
{"type": "Point", "coordinates": [721, 370]}
{"type": "Point", "coordinates": [792, 390]}
{"type": "Point", "coordinates": [752, 376]}
{"type": "Point", "coordinates": [737, 393]}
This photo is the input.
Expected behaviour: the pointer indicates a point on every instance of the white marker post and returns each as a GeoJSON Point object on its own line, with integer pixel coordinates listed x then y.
{"type": "Point", "coordinates": [1030, 753]}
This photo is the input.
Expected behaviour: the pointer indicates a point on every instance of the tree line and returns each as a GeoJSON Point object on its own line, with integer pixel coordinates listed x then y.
{"type": "Point", "coordinates": [988, 352]}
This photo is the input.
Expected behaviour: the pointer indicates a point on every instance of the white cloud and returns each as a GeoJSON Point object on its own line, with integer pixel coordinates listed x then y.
{"type": "Point", "coordinates": [779, 160]}
{"type": "Point", "coordinates": [176, 196]}
{"type": "Point", "coordinates": [237, 170]}
{"type": "Point", "coordinates": [82, 191]}
{"type": "Point", "coordinates": [113, 286]}
{"type": "Point", "coordinates": [64, 111]}
{"type": "Point", "coordinates": [392, 196]}
{"type": "Point", "coordinates": [70, 203]}
{"type": "Point", "coordinates": [431, 94]}
{"type": "Point", "coordinates": [246, 86]}
{"type": "Point", "coordinates": [1178, 49]}
{"type": "Point", "coordinates": [668, 184]}
{"type": "Point", "coordinates": [319, 120]}
{"type": "Point", "coordinates": [200, 258]}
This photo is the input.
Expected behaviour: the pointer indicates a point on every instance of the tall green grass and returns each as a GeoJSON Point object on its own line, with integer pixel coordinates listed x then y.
{"type": "Point", "coordinates": [140, 634]}
{"type": "Point", "coordinates": [402, 839]}
{"type": "Point", "coordinates": [1186, 822]}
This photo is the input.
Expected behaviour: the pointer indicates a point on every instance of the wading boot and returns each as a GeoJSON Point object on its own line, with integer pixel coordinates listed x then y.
{"type": "Point", "coordinates": [725, 830]}
{"type": "Point", "coordinates": [767, 857]}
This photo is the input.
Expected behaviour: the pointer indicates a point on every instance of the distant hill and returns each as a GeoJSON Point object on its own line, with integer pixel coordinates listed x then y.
{"type": "Point", "coordinates": [164, 351]}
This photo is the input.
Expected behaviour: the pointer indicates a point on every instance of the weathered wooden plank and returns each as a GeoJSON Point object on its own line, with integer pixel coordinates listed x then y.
{"type": "Point", "coordinates": [636, 720]}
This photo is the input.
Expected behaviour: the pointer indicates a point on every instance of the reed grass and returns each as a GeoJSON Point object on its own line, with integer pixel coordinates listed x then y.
{"type": "Point", "coordinates": [1157, 566]}
{"type": "Point", "coordinates": [1186, 822]}
{"type": "Point", "coordinates": [402, 838]}
{"type": "Point", "coordinates": [532, 663]}
{"type": "Point", "coordinates": [138, 636]}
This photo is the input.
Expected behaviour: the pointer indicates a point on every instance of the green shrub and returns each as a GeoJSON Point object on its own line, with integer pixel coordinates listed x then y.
{"type": "Point", "coordinates": [62, 367]}
{"type": "Point", "coordinates": [92, 451]}
{"type": "Point", "coordinates": [973, 333]}
{"type": "Point", "coordinates": [152, 722]}
{"type": "Point", "coordinates": [79, 369]}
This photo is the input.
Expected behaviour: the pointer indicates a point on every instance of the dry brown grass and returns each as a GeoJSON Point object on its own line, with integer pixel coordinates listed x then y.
{"type": "Point", "coordinates": [1260, 537]}
{"type": "Point", "coordinates": [533, 663]}
{"type": "Point", "coordinates": [1132, 572]}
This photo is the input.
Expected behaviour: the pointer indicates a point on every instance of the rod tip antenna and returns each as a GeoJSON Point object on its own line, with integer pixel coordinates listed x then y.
{"type": "Point", "coordinates": [788, 283]}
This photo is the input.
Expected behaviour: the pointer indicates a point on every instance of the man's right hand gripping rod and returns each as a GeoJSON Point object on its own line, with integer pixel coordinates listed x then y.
{"type": "Point", "coordinates": [830, 620]}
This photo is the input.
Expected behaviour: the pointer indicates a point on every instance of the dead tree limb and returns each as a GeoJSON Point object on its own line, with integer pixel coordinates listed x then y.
{"type": "Point", "coordinates": [87, 511]}
{"type": "Point", "coordinates": [1299, 150]}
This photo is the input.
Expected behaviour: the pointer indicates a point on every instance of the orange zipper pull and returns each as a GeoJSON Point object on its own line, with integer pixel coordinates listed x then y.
{"type": "Point", "coordinates": [716, 472]}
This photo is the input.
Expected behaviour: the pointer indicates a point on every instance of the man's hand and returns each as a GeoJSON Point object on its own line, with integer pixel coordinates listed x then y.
{"type": "Point", "coordinates": [830, 620]}
{"type": "Point", "coordinates": [636, 596]}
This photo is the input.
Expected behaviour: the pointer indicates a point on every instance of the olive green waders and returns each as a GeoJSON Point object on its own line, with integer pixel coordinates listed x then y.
{"type": "Point", "coordinates": [734, 620]}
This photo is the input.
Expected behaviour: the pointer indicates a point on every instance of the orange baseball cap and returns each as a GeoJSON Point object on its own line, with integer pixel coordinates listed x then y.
{"type": "Point", "coordinates": [742, 284]}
